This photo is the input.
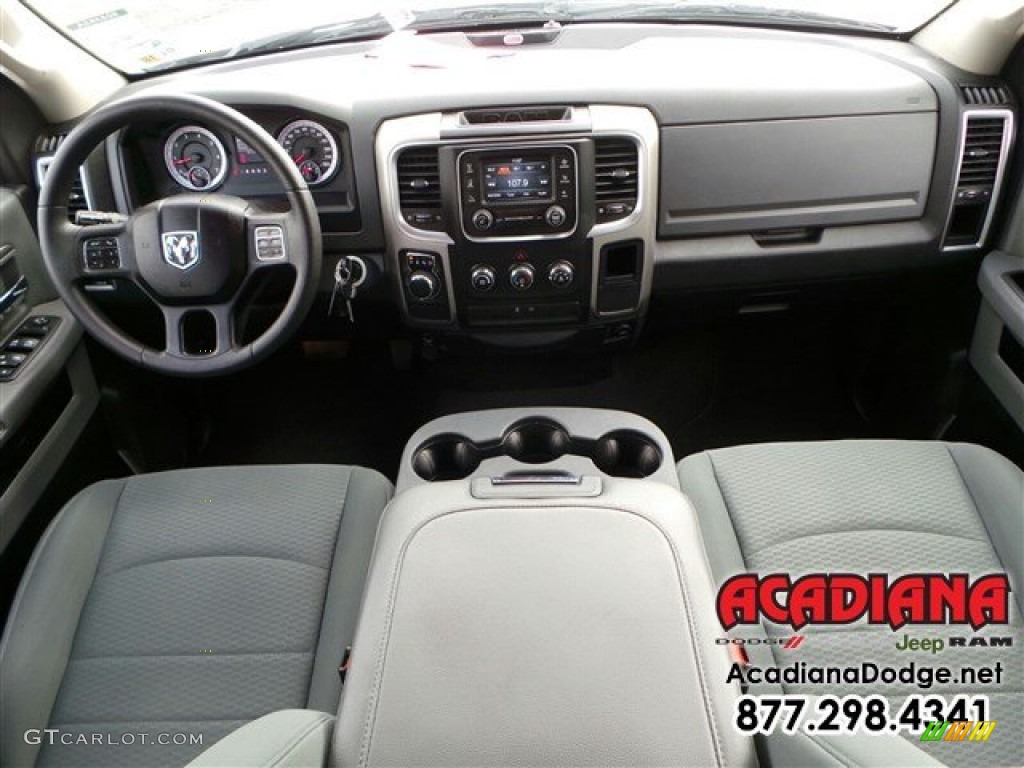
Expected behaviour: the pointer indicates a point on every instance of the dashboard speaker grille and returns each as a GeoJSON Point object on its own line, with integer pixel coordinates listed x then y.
{"type": "Point", "coordinates": [992, 95]}
{"type": "Point", "coordinates": [419, 187]}
{"type": "Point", "coordinates": [616, 178]}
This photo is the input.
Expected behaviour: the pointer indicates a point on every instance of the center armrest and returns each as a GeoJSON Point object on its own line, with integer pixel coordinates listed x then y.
{"type": "Point", "coordinates": [539, 632]}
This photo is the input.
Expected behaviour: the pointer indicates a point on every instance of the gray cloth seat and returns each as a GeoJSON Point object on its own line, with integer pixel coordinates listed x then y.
{"type": "Point", "coordinates": [186, 602]}
{"type": "Point", "coordinates": [871, 507]}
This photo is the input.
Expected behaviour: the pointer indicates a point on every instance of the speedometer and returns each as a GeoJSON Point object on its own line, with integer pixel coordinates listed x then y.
{"type": "Point", "coordinates": [195, 158]}
{"type": "Point", "coordinates": [313, 149]}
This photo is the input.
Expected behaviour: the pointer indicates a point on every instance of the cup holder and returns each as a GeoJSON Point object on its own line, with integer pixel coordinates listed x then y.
{"type": "Point", "coordinates": [621, 453]}
{"type": "Point", "coordinates": [626, 453]}
{"type": "Point", "coordinates": [446, 457]}
{"type": "Point", "coordinates": [536, 442]}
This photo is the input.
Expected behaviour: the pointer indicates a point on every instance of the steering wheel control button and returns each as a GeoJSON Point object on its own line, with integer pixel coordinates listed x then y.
{"type": "Point", "coordinates": [12, 359]}
{"type": "Point", "coordinates": [483, 220]}
{"type": "Point", "coordinates": [561, 274]}
{"type": "Point", "coordinates": [269, 243]}
{"type": "Point", "coordinates": [483, 278]}
{"type": "Point", "coordinates": [520, 277]}
{"type": "Point", "coordinates": [423, 285]}
{"type": "Point", "coordinates": [555, 216]}
{"type": "Point", "coordinates": [101, 253]}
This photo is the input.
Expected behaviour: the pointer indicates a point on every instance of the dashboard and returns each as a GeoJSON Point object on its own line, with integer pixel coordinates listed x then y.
{"type": "Point", "coordinates": [543, 190]}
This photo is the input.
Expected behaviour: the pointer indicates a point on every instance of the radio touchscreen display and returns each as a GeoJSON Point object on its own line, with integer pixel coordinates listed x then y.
{"type": "Point", "coordinates": [517, 178]}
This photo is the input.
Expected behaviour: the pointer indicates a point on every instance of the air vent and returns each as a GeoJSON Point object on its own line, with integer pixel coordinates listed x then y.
{"type": "Point", "coordinates": [983, 144]}
{"type": "Point", "coordinates": [991, 95]}
{"type": "Point", "coordinates": [616, 178]}
{"type": "Point", "coordinates": [419, 187]}
{"type": "Point", "coordinates": [986, 140]}
{"type": "Point", "coordinates": [79, 199]}
{"type": "Point", "coordinates": [518, 115]}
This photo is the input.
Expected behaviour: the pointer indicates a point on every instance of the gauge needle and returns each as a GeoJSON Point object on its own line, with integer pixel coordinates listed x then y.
{"type": "Point", "coordinates": [183, 161]}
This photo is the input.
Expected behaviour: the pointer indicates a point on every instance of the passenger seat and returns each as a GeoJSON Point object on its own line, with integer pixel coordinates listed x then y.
{"type": "Point", "coordinates": [871, 507]}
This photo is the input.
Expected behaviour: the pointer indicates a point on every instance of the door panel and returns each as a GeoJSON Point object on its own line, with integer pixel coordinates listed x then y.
{"type": "Point", "coordinates": [47, 389]}
{"type": "Point", "coordinates": [997, 349]}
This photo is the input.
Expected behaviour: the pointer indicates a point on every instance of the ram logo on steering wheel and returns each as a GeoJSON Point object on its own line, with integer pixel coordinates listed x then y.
{"type": "Point", "coordinates": [181, 249]}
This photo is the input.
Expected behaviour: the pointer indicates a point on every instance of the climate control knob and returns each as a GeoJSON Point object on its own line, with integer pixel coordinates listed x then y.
{"type": "Point", "coordinates": [423, 285]}
{"type": "Point", "coordinates": [483, 278]}
{"type": "Point", "coordinates": [555, 216]}
{"type": "Point", "coordinates": [521, 277]}
{"type": "Point", "coordinates": [483, 219]}
{"type": "Point", "coordinates": [561, 273]}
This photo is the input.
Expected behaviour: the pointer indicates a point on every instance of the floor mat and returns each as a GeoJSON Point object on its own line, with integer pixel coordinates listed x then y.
{"type": "Point", "coordinates": [707, 387]}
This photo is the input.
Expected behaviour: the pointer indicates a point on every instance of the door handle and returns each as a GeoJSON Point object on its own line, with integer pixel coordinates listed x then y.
{"type": "Point", "coordinates": [10, 297]}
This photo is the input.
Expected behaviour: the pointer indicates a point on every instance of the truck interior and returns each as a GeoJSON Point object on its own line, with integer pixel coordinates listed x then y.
{"type": "Point", "coordinates": [393, 386]}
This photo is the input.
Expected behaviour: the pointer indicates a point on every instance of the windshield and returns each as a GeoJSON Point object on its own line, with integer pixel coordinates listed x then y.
{"type": "Point", "coordinates": [141, 36]}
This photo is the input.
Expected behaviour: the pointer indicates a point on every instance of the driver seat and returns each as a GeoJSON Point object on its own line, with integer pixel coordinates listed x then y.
{"type": "Point", "coordinates": [184, 602]}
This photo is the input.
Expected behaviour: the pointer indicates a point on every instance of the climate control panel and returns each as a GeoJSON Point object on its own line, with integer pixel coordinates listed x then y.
{"type": "Point", "coordinates": [521, 277]}
{"type": "Point", "coordinates": [520, 283]}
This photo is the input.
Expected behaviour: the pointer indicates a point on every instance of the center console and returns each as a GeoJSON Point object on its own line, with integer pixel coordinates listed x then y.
{"type": "Point", "coordinates": [539, 595]}
{"type": "Point", "coordinates": [518, 221]}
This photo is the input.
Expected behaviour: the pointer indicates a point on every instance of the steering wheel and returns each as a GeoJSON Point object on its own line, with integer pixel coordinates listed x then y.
{"type": "Point", "coordinates": [191, 254]}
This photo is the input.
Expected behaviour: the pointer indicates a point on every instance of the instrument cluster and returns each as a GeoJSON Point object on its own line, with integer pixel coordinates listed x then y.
{"type": "Point", "coordinates": [197, 159]}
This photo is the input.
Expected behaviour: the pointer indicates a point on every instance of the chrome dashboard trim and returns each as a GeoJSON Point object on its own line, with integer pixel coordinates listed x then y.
{"type": "Point", "coordinates": [393, 137]}
{"type": "Point", "coordinates": [635, 123]}
{"type": "Point", "coordinates": [43, 165]}
{"type": "Point", "coordinates": [997, 185]}
{"type": "Point", "coordinates": [638, 124]}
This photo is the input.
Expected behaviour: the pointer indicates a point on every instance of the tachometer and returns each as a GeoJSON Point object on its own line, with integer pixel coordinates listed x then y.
{"type": "Point", "coordinates": [195, 158]}
{"type": "Point", "coordinates": [313, 149]}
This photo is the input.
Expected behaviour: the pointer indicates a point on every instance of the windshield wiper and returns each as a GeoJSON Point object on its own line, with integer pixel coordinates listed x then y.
{"type": "Point", "coordinates": [751, 14]}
